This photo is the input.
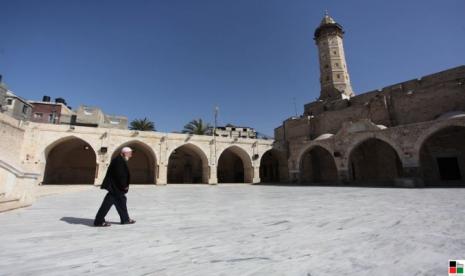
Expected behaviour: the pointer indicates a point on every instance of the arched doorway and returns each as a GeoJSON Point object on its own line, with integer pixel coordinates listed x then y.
{"type": "Point", "coordinates": [188, 164]}
{"type": "Point", "coordinates": [442, 156]}
{"type": "Point", "coordinates": [234, 166]}
{"type": "Point", "coordinates": [142, 165]}
{"type": "Point", "coordinates": [374, 160]}
{"type": "Point", "coordinates": [273, 167]}
{"type": "Point", "coordinates": [70, 161]}
{"type": "Point", "coordinates": [317, 166]}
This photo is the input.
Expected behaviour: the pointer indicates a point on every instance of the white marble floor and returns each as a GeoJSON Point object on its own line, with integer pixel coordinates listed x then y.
{"type": "Point", "coordinates": [239, 230]}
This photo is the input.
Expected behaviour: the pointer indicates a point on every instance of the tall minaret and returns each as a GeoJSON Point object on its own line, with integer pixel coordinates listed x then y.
{"type": "Point", "coordinates": [334, 75]}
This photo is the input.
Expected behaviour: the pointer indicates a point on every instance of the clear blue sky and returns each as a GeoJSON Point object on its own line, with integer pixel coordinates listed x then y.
{"type": "Point", "coordinates": [172, 60]}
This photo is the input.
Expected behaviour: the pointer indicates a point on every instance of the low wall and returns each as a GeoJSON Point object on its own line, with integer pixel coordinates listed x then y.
{"type": "Point", "coordinates": [16, 185]}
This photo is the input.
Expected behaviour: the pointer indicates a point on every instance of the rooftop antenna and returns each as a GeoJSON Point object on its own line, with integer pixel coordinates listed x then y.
{"type": "Point", "coordinates": [216, 111]}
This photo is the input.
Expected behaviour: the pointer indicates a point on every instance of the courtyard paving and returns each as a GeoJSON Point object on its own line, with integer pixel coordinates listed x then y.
{"type": "Point", "coordinates": [239, 230]}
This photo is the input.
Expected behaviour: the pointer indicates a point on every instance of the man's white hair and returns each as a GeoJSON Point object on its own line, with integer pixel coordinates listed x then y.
{"type": "Point", "coordinates": [126, 149]}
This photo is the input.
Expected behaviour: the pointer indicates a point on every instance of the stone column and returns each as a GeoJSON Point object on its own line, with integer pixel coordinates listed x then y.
{"type": "Point", "coordinates": [343, 176]}
{"type": "Point", "coordinates": [213, 180]}
{"type": "Point", "coordinates": [256, 175]}
{"type": "Point", "coordinates": [411, 177]}
{"type": "Point", "coordinates": [162, 176]}
{"type": "Point", "coordinates": [101, 170]}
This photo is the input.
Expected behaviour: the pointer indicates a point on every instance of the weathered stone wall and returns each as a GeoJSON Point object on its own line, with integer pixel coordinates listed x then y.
{"type": "Point", "coordinates": [32, 147]}
{"type": "Point", "coordinates": [405, 141]}
{"type": "Point", "coordinates": [398, 113]}
{"type": "Point", "coordinates": [16, 184]}
{"type": "Point", "coordinates": [11, 139]}
{"type": "Point", "coordinates": [408, 102]}
{"type": "Point", "coordinates": [40, 139]}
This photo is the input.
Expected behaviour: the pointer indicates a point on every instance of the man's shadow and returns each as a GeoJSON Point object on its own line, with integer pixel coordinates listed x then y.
{"type": "Point", "coordinates": [82, 221]}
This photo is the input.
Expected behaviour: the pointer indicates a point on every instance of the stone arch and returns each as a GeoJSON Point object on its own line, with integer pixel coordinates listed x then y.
{"type": "Point", "coordinates": [374, 159]}
{"type": "Point", "coordinates": [442, 156]}
{"type": "Point", "coordinates": [364, 137]}
{"type": "Point", "coordinates": [273, 167]}
{"type": "Point", "coordinates": [317, 165]}
{"type": "Point", "coordinates": [234, 166]}
{"type": "Point", "coordinates": [143, 164]}
{"type": "Point", "coordinates": [70, 160]}
{"type": "Point", "coordinates": [188, 164]}
{"type": "Point", "coordinates": [433, 129]}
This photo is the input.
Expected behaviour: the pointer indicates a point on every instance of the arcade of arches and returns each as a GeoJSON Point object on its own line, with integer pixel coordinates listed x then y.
{"type": "Point", "coordinates": [73, 161]}
{"type": "Point", "coordinates": [441, 157]}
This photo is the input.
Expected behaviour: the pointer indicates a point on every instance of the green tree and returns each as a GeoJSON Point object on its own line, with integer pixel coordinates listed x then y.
{"type": "Point", "coordinates": [197, 127]}
{"type": "Point", "coordinates": [142, 124]}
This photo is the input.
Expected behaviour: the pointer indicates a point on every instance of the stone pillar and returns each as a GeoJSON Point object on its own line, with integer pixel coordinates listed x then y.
{"type": "Point", "coordinates": [411, 177]}
{"type": "Point", "coordinates": [294, 176]}
{"type": "Point", "coordinates": [101, 171]}
{"type": "Point", "coordinates": [256, 175]}
{"type": "Point", "coordinates": [343, 176]}
{"type": "Point", "coordinates": [162, 165]}
{"type": "Point", "coordinates": [213, 180]}
{"type": "Point", "coordinates": [162, 176]}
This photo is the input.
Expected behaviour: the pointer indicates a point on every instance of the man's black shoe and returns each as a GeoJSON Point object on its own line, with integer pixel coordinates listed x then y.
{"type": "Point", "coordinates": [102, 224]}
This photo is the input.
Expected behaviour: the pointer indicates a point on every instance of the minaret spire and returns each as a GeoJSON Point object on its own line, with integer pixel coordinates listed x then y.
{"type": "Point", "coordinates": [334, 75]}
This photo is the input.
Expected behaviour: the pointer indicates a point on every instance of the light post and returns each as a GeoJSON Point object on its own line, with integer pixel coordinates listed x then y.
{"type": "Point", "coordinates": [217, 109]}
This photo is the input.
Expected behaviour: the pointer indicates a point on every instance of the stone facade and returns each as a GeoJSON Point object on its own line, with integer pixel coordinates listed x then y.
{"type": "Point", "coordinates": [157, 149]}
{"type": "Point", "coordinates": [16, 183]}
{"type": "Point", "coordinates": [408, 133]}
{"type": "Point", "coordinates": [64, 154]}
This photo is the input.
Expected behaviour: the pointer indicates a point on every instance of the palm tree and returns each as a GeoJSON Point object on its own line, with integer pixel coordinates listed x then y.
{"type": "Point", "coordinates": [142, 124]}
{"type": "Point", "coordinates": [197, 127]}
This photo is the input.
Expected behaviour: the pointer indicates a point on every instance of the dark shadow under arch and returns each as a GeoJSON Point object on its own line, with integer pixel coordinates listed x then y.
{"type": "Point", "coordinates": [442, 157]}
{"type": "Point", "coordinates": [70, 161]}
{"type": "Point", "coordinates": [234, 166]}
{"type": "Point", "coordinates": [188, 164]}
{"type": "Point", "coordinates": [374, 160]}
{"type": "Point", "coordinates": [317, 166]}
{"type": "Point", "coordinates": [273, 167]}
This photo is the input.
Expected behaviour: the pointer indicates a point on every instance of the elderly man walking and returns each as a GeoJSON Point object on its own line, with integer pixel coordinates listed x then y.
{"type": "Point", "coordinates": [116, 182]}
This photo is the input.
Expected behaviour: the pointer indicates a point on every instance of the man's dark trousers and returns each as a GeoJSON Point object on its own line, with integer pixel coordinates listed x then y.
{"type": "Point", "coordinates": [119, 200]}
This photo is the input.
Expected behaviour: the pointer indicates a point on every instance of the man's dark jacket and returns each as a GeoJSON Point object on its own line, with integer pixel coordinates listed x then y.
{"type": "Point", "coordinates": [117, 178]}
